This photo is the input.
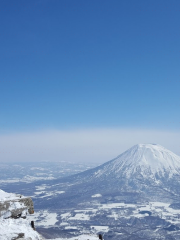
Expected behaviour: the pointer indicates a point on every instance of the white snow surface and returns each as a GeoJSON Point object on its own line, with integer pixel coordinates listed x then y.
{"type": "Point", "coordinates": [96, 195]}
{"type": "Point", "coordinates": [43, 218]}
{"type": "Point", "coordinates": [81, 237]}
{"type": "Point", "coordinates": [10, 228]}
{"type": "Point", "coordinates": [148, 158]}
{"type": "Point", "coordinates": [4, 196]}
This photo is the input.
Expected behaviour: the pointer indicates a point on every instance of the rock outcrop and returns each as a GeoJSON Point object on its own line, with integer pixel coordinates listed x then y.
{"type": "Point", "coordinates": [13, 223]}
{"type": "Point", "coordinates": [16, 208]}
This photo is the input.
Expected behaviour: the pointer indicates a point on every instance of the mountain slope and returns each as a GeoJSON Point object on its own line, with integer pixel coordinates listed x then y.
{"type": "Point", "coordinates": [144, 172]}
{"type": "Point", "coordinates": [143, 158]}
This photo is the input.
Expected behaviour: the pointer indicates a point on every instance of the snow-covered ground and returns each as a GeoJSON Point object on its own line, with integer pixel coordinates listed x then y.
{"type": "Point", "coordinates": [10, 228]}
{"type": "Point", "coordinates": [119, 211]}
{"type": "Point", "coordinates": [43, 218]}
{"type": "Point", "coordinates": [26, 179]}
{"type": "Point", "coordinates": [96, 195]}
{"type": "Point", "coordinates": [4, 196]}
{"type": "Point", "coordinates": [81, 237]}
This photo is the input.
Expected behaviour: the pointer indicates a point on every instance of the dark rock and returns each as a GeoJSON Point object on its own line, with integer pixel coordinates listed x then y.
{"type": "Point", "coordinates": [17, 212]}
{"type": "Point", "coordinates": [20, 235]}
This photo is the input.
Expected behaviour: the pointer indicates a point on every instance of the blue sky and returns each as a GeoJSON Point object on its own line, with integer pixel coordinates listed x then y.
{"type": "Point", "coordinates": [68, 65]}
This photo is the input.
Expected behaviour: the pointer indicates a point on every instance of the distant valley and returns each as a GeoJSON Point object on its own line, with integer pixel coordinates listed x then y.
{"type": "Point", "coordinates": [134, 196]}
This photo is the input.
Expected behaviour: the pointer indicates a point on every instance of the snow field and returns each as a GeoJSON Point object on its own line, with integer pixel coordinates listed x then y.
{"type": "Point", "coordinates": [10, 228]}
{"type": "Point", "coordinates": [81, 237]}
{"type": "Point", "coordinates": [43, 218]}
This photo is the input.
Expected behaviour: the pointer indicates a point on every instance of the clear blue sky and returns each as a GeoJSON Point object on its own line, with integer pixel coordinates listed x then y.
{"type": "Point", "coordinates": [89, 64]}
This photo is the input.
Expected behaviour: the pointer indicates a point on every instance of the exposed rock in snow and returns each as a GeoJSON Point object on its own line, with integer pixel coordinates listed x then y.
{"type": "Point", "coordinates": [13, 205]}
{"type": "Point", "coordinates": [13, 222]}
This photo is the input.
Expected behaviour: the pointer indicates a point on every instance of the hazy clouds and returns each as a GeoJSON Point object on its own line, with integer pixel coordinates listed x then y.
{"type": "Point", "coordinates": [90, 145]}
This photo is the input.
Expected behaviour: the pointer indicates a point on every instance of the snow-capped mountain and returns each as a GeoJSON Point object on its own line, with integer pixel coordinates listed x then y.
{"type": "Point", "coordinates": [142, 161]}
{"type": "Point", "coordinates": [142, 172]}
{"type": "Point", "coordinates": [145, 159]}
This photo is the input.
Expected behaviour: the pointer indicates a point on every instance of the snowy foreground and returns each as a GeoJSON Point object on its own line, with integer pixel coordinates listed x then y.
{"type": "Point", "coordinates": [81, 237]}
{"type": "Point", "coordinates": [12, 228]}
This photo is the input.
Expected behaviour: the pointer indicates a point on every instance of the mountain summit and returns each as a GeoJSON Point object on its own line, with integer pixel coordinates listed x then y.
{"type": "Point", "coordinates": [145, 159]}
